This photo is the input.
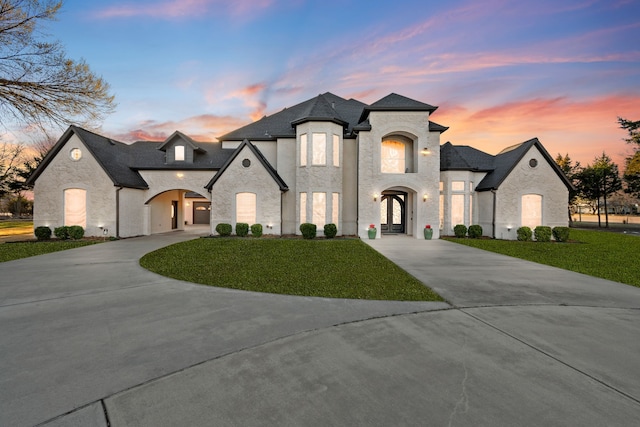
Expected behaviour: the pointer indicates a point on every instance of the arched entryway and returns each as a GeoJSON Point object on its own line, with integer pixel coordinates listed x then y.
{"type": "Point", "coordinates": [174, 209]}
{"type": "Point", "coordinates": [393, 212]}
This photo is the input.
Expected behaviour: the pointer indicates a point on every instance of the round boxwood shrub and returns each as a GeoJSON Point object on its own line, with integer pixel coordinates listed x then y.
{"type": "Point", "coordinates": [524, 234]}
{"type": "Point", "coordinates": [475, 231]}
{"type": "Point", "coordinates": [561, 234]}
{"type": "Point", "coordinates": [460, 230]}
{"type": "Point", "coordinates": [42, 233]}
{"type": "Point", "coordinates": [61, 233]}
{"type": "Point", "coordinates": [542, 233]}
{"type": "Point", "coordinates": [330, 231]}
{"type": "Point", "coordinates": [224, 229]}
{"type": "Point", "coordinates": [242, 229]}
{"type": "Point", "coordinates": [75, 232]}
{"type": "Point", "coordinates": [256, 230]}
{"type": "Point", "coordinates": [308, 230]}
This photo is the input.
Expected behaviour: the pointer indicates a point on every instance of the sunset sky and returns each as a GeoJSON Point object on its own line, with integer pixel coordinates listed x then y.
{"type": "Point", "coordinates": [501, 72]}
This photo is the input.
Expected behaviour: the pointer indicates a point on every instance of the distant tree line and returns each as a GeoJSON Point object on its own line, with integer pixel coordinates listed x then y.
{"type": "Point", "coordinates": [598, 181]}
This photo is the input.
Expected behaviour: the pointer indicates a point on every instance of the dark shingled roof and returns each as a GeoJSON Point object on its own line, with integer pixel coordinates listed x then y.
{"type": "Point", "coordinates": [349, 113]}
{"type": "Point", "coordinates": [274, 174]}
{"type": "Point", "coordinates": [121, 161]}
{"type": "Point", "coordinates": [462, 157]}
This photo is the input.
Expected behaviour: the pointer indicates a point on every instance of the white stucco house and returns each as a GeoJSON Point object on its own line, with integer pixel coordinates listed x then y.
{"type": "Point", "coordinates": [325, 160]}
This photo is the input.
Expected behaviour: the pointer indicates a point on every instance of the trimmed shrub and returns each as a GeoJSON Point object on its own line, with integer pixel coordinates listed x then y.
{"type": "Point", "coordinates": [561, 234]}
{"type": "Point", "coordinates": [42, 233]}
{"type": "Point", "coordinates": [524, 234]}
{"type": "Point", "coordinates": [460, 230]}
{"type": "Point", "coordinates": [308, 230]}
{"type": "Point", "coordinates": [224, 229]}
{"type": "Point", "coordinates": [542, 233]}
{"type": "Point", "coordinates": [76, 232]}
{"type": "Point", "coordinates": [330, 231]}
{"type": "Point", "coordinates": [61, 233]}
{"type": "Point", "coordinates": [242, 229]}
{"type": "Point", "coordinates": [256, 230]}
{"type": "Point", "coordinates": [475, 231]}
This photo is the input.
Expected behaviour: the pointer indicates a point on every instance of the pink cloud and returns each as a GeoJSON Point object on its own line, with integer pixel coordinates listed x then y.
{"type": "Point", "coordinates": [173, 9]}
{"type": "Point", "coordinates": [581, 128]}
{"type": "Point", "coordinates": [204, 127]}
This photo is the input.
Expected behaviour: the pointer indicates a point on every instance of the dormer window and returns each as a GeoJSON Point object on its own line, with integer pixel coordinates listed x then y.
{"type": "Point", "coordinates": [179, 153]}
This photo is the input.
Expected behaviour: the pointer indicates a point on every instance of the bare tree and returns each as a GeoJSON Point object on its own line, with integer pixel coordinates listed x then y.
{"type": "Point", "coordinates": [10, 163]}
{"type": "Point", "coordinates": [39, 85]}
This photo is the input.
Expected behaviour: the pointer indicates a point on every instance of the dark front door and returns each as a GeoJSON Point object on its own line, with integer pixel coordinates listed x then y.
{"type": "Point", "coordinates": [392, 212]}
{"type": "Point", "coordinates": [201, 212]}
{"type": "Point", "coordinates": [174, 214]}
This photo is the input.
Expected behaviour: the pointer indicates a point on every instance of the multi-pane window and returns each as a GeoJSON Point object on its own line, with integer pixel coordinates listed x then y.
{"type": "Point", "coordinates": [303, 149]}
{"type": "Point", "coordinates": [392, 157]}
{"type": "Point", "coordinates": [75, 207]}
{"type": "Point", "coordinates": [457, 185]}
{"type": "Point", "coordinates": [246, 208]}
{"type": "Point", "coordinates": [319, 149]}
{"type": "Point", "coordinates": [336, 150]}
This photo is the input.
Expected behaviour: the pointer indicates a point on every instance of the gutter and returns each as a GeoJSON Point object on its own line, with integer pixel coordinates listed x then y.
{"type": "Point", "coordinates": [118, 212]}
{"type": "Point", "coordinates": [493, 219]}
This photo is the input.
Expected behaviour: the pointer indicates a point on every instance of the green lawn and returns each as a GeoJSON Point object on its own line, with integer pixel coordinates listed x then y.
{"type": "Point", "coordinates": [11, 251]}
{"type": "Point", "coordinates": [12, 228]}
{"type": "Point", "coordinates": [342, 268]}
{"type": "Point", "coordinates": [612, 256]}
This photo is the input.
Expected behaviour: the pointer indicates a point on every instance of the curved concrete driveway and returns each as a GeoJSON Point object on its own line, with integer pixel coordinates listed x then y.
{"type": "Point", "coordinates": [88, 337]}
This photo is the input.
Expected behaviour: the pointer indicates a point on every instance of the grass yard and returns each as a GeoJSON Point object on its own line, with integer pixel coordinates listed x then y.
{"type": "Point", "coordinates": [11, 251]}
{"type": "Point", "coordinates": [341, 268]}
{"type": "Point", "coordinates": [13, 228]}
{"type": "Point", "coordinates": [611, 256]}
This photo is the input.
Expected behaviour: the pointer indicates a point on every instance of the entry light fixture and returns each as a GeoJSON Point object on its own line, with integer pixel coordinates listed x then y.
{"type": "Point", "coordinates": [425, 151]}
{"type": "Point", "coordinates": [425, 197]}
{"type": "Point", "coordinates": [508, 228]}
{"type": "Point", "coordinates": [375, 197]}
{"type": "Point", "coordinates": [180, 175]}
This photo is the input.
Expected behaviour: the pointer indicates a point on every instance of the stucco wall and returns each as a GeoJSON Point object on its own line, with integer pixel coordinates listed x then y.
{"type": "Point", "coordinates": [524, 179]}
{"type": "Point", "coordinates": [63, 173]}
{"type": "Point", "coordinates": [239, 179]}
{"type": "Point", "coordinates": [414, 125]}
{"type": "Point", "coordinates": [286, 155]}
{"type": "Point", "coordinates": [131, 213]}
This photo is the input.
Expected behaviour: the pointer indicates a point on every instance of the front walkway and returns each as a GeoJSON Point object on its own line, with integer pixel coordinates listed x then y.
{"type": "Point", "coordinates": [90, 338]}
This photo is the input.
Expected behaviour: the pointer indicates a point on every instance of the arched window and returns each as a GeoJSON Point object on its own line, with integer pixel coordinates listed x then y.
{"type": "Point", "coordinates": [531, 210]}
{"type": "Point", "coordinates": [75, 207]}
{"type": "Point", "coordinates": [392, 157]}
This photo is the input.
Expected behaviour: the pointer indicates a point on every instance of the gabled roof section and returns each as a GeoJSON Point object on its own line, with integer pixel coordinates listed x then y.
{"type": "Point", "coordinates": [145, 155]}
{"type": "Point", "coordinates": [112, 156]}
{"type": "Point", "coordinates": [395, 102]}
{"type": "Point", "coordinates": [326, 107]}
{"type": "Point", "coordinates": [274, 174]}
{"type": "Point", "coordinates": [179, 135]}
{"type": "Point", "coordinates": [508, 158]}
{"type": "Point", "coordinates": [463, 157]}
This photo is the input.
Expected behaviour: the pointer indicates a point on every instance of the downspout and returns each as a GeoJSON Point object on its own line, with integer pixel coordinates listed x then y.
{"type": "Point", "coordinates": [493, 220]}
{"type": "Point", "coordinates": [118, 212]}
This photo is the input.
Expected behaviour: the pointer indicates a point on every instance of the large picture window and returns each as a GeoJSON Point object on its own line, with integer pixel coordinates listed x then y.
{"type": "Point", "coordinates": [392, 157]}
{"type": "Point", "coordinates": [75, 207]}
{"type": "Point", "coordinates": [246, 208]}
{"type": "Point", "coordinates": [457, 209]}
{"type": "Point", "coordinates": [319, 144]}
{"type": "Point", "coordinates": [531, 210]}
{"type": "Point", "coordinates": [319, 209]}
